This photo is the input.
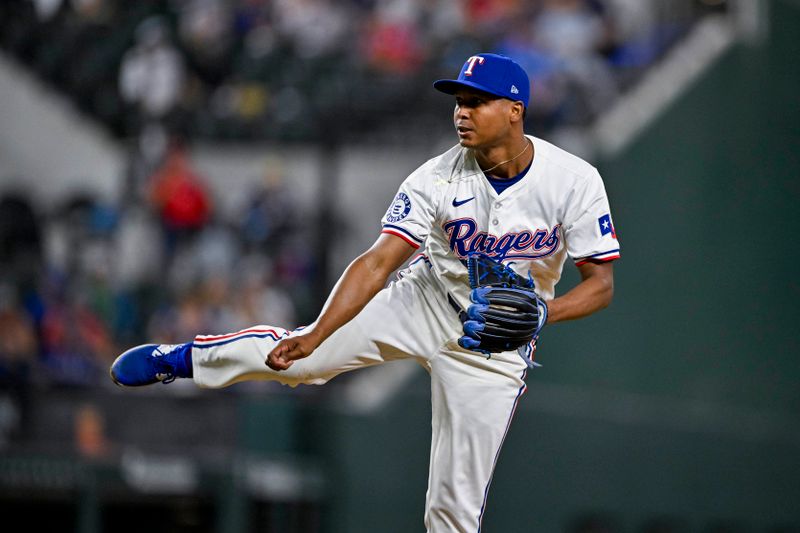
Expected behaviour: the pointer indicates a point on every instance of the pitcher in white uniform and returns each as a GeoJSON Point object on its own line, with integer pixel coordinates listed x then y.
{"type": "Point", "coordinates": [514, 197]}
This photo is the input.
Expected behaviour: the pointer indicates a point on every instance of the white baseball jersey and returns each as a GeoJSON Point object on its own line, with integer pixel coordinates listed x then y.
{"type": "Point", "coordinates": [559, 208]}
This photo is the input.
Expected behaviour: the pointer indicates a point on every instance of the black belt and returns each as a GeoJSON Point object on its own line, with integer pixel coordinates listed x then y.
{"type": "Point", "coordinates": [462, 315]}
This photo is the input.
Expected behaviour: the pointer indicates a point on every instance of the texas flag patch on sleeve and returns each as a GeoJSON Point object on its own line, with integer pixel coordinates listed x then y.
{"type": "Point", "coordinates": [606, 226]}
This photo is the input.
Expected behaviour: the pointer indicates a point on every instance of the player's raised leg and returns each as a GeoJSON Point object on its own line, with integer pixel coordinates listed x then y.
{"type": "Point", "coordinates": [216, 361]}
{"type": "Point", "coordinates": [220, 360]}
{"type": "Point", "coordinates": [473, 400]}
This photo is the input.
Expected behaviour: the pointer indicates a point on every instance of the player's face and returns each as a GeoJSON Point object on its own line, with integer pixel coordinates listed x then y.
{"type": "Point", "coordinates": [481, 120]}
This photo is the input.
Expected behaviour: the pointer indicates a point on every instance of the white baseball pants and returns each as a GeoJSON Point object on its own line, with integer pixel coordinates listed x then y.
{"type": "Point", "coordinates": [473, 398]}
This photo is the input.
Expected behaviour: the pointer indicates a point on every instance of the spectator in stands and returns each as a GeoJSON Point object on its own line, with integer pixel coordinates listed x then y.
{"type": "Point", "coordinates": [18, 355]}
{"type": "Point", "coordinates": [205, 28]}
{"type": "Point", "coordinates": [180, 197]}
{"type": "Point", "coordinates": [491, 18]}
{"type": "Point", "coordinates": [152, 73]}
{"type": "Point", "coordinates": [392, 42]}
{"type": "Point", "coordinates": [18, 347]}
{"type": "Point", "coordinates": [137, 277]}
{"type": "Point", "coordinates": [75, 341]}
{"type": "Point", "coordinates": [442, 21]}
{"type": "Point", "coordinates": [295, 19]}
{"type": "Point", "coordinates": [267, 210]}
{"type": "Point", "coordinates": [548, 78]}
{"type": "Point", "coordinates": [575, 32]}
{"type": "Point", "coordinates": [262, 299]}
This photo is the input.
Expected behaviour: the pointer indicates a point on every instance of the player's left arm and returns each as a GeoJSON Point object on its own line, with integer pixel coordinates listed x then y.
{"type": "Point", "coordinates": [592, 294]}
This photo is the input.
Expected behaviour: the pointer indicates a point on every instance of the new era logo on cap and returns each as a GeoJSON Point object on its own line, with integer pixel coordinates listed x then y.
{"type": "Point", "coordinates": [493, 74]}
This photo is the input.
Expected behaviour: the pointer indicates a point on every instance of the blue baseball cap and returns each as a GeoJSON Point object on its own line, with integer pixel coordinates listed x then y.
{"type": "Point", "coordinates": [493, 74]}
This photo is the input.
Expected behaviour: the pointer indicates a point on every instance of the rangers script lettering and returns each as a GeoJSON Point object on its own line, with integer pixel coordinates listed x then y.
{"type": "Point", "coordinates": [466, 239]}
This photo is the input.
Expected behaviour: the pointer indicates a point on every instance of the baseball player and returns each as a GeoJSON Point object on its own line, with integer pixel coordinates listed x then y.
{"type": "Point", "coordinates": [497, 216]}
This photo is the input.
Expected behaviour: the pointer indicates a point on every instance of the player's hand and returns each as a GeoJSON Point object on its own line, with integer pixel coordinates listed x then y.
{"type": "Point", "coordinates": [287, 351]}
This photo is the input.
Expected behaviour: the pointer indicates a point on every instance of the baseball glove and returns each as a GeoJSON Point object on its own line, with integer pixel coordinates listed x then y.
{"type": "Point", "coordinates": [505, 314]}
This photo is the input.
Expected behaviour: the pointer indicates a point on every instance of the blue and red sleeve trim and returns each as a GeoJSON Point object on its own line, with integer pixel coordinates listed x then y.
{"type": "Point", "coordinates": [404, 234]}
{"type": "Point", "coordinates": [602, 257]}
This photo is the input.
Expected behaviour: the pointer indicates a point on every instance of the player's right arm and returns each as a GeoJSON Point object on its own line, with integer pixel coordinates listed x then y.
{"type": "Point", "coordinates": [361, 281]}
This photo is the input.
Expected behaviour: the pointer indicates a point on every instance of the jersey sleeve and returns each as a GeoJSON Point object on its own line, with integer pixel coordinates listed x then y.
{"type": "Point", "coordinates": [588, 227]}
{"type": "Point", "coordinates": [411, 213]}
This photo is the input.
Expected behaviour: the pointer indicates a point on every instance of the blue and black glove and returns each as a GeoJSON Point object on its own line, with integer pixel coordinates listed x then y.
{"type": "Point", "coordinates": [505, 314]}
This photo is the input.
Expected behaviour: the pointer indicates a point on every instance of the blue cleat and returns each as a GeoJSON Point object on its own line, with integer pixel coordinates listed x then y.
{"type": "Point", "coordinates": [150, 363]}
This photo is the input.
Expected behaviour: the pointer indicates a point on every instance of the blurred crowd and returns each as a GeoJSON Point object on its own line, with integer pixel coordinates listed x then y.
{"type": "Point", "coordinates": [288, 69]}
{"type": "Point", "coordinates": [86, 279]}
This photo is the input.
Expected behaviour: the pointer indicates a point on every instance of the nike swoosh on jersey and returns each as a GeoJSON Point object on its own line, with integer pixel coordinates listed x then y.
{"type": "Point", "coordinates": [457, 203]}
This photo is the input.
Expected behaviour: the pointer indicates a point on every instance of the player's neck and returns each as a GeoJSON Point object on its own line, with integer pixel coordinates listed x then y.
{"type": "Point", "coordinates": [506, 161]}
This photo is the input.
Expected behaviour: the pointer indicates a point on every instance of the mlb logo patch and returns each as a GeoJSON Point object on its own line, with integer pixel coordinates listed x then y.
{"type": "Point", "coordinates": [606, 226]}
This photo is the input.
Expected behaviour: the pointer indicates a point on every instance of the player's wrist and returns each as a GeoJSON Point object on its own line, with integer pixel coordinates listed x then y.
{"type": "Point", "coordinates": [553, 311]}
{"type": "Point", "coordinates": [315, 334]}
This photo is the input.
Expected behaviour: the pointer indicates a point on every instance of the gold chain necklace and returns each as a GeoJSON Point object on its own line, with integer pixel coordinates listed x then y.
{"type": "Point", "coordinates": [527, 145]}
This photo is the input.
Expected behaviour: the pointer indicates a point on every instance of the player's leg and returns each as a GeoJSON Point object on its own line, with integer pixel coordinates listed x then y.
{"type": "Point", "coordinates": [221, 360]}
{"type": "Point", "coordinates": [473, 401]}
{"type": "Point", "coordinates": [216, 361]}
{"type": "Point", "coordinates": [399, 322]}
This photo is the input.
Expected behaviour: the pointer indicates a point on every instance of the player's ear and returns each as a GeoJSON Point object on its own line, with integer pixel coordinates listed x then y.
{"type": "Point", "coordinates": [517, 111]}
